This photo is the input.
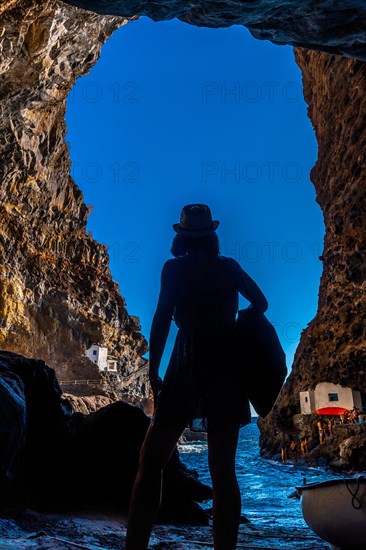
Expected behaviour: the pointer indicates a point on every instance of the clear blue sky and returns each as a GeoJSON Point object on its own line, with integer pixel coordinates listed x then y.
{"type": "Point", "coordinates": [173, 114]}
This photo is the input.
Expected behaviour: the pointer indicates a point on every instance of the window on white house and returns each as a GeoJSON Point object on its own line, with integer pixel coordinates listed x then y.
{"type": "Point", "coordinates": [306, 399]}
{"type": "Point", "coordinates": [94, 351]}
{"type": "Point", "coordinates": [333, 396]}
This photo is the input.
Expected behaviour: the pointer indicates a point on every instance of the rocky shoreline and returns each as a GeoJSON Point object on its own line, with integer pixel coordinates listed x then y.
{"type": "Point", "coordinates": [343, 450]}
{"type": "Point", "coordinates": [88, 530]}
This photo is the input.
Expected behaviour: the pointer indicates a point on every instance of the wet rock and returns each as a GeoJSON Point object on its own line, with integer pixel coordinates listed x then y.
{"type": "Point", "coordinates": [189, 435]}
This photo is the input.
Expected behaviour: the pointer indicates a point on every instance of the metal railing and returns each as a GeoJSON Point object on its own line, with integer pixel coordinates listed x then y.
{"type": "Point", "coordinates": [80, 382]}
{"type": "Point", "coordinates": [100, 381]}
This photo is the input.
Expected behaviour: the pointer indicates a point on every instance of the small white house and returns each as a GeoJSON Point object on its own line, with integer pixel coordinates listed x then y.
{"type": "Point", "coordinates": [99, 356]}
{"type": "Point", "coordinates": [327, 394]}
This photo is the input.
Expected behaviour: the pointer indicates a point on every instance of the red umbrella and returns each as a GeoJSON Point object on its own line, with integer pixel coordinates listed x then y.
{"type": "Point", "coordinates": [331, 411]}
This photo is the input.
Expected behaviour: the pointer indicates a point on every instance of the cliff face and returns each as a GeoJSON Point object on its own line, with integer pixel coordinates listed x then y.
{"type": "Point", "coordinates": [57, 296]}
{"type": "Point", "coordinates": [333, 346]}
{"type": "Point", "coordinates": [56, 291]}
{"type": "Point", "coordinates": [329, 26]}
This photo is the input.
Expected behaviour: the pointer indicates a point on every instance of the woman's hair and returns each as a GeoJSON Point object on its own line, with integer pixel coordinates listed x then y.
{"type": "Point", "coordinates": [183, 245]}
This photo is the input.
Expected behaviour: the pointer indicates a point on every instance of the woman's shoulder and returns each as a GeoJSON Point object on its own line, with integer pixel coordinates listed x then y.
{"type": "Point", "coordinates": [230, 262]}
{"type": "Point", "coordinates": [173, 262]}
{"type": "Point", "coordinates": [173, 265]}
{"type": "Point", "coordinates": [170, 264]}
{"type": "Point", "coordinates": [177, 264]}
{"type": "Point", "coordinates": [233, 268]}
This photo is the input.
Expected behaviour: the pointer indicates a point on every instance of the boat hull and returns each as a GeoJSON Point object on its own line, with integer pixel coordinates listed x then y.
{"type": "Point", "coordinates": [334, 514]}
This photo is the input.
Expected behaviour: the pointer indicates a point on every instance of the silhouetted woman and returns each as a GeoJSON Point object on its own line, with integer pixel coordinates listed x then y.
{"type": "Point", "coordinates": [200, 390]}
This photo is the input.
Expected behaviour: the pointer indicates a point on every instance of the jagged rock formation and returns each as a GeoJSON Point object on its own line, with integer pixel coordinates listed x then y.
{"type": "Point", "coordinates": [333, 348]}
{"type": "Point", "coordinates": [329, 26]}
{"type": "Point", "coordinates": [54, 458]}
{"type": "Point", "coordinates": [57, 296]}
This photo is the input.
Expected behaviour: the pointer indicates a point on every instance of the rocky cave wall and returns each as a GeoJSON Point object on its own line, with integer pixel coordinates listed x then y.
{"type": "Point", "coordinates": [57, 296]}
{"type": "Point", "coordinates": [329, 25]}
{"type": "Point", "coordinates": [333, 346]}
{"type": "Point", "coordinates": [56, 291]}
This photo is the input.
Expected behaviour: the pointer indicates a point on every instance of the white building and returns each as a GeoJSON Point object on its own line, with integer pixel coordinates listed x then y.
{"type": "Point", "coordinates": [327, 395]}
{"type": "Point", "coordinates": [112, 365]}
{"type": "Point", "coordinates": [99, 356]}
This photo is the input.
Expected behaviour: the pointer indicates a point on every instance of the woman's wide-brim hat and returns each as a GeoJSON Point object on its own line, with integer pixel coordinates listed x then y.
{"type": "Point", "coordinates": [196, 221]}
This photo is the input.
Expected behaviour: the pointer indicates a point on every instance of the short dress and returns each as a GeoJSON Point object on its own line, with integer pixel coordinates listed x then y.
{"type": "Point", "coordinates": [200, 388]}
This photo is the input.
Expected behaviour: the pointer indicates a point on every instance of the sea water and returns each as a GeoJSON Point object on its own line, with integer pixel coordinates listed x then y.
{"type": "Point", "coordinates": [265, 486]}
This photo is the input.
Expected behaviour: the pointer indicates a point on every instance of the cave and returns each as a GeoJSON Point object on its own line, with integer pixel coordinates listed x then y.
{"type": "Point", "coordinates": [57, 294]}
{"type": "Point", "coordinates": [45, 48]}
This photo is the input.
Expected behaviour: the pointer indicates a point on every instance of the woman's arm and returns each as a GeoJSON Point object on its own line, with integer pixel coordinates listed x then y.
{"type": "Point", "coordinates": [162, 319]}
{"type": "Point", "coordinates": [250, 290]}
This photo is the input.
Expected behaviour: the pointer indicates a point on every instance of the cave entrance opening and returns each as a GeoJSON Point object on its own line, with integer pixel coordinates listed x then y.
{"type": "Point", "coordinates": [173, 114]}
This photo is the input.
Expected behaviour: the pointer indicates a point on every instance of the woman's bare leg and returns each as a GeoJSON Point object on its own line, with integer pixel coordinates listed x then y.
{"type": "Point", "coordinates": [156, 449]}
{"type": "Point", "coordinates": [226, 495]}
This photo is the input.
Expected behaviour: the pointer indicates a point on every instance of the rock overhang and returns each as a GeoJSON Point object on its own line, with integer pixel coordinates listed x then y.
{"type": "Point", "coordinates": [329, 26]}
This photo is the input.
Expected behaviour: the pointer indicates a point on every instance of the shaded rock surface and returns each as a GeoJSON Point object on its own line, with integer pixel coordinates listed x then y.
{"type": "Point", "coordinates": [332, 348]}
{"type": "Point", "coordinates": [68, 460]}
{"type": "Point", "coordinates": [57, 296]}
{"type": "Point", "coordinates": [12, 424]}
{"type": "Point", "coordinates": [330, 26]}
